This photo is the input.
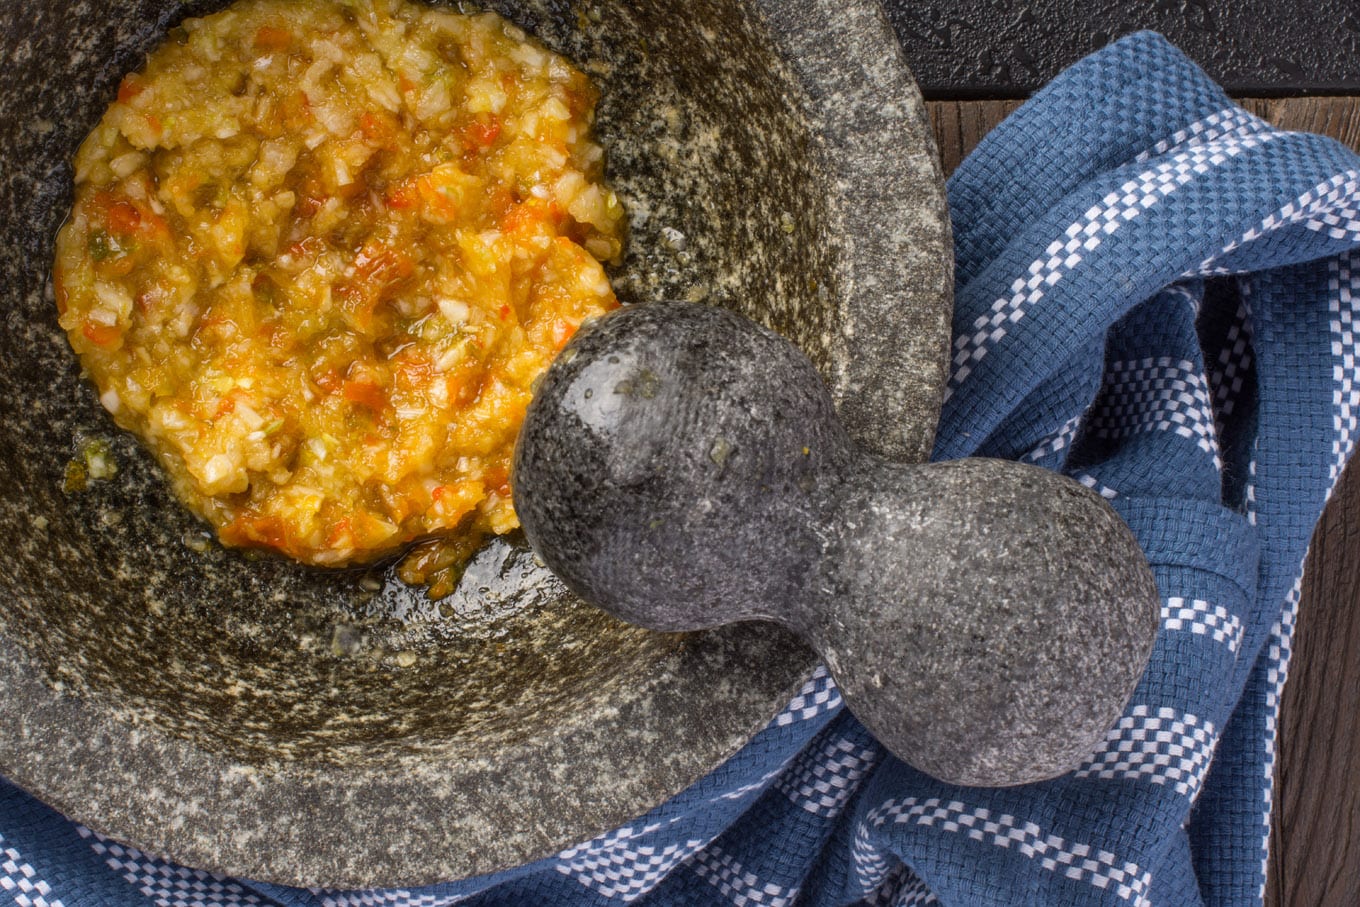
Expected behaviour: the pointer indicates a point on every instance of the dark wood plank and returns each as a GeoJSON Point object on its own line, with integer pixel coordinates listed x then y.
{"type": "Point", "coordinates": [1315, 849]}
{"type": "Point", "coordinates": [1336, 117]}
{"type": "Point", "coordinates": [960, 125]}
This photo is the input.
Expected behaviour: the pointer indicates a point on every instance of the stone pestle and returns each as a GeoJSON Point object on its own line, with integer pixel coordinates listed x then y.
{"type": "Point", "coordinates": [681, 467]}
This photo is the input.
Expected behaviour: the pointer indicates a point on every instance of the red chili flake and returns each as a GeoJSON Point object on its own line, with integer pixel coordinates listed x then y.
{"type": "Point", "coordinates": [100, 334]}
{"type": "Point", "coordinates": [498, 480]}
{"type": "Point", "coordinates": [484, 132]}
{"type": "Point", "coordinates": [383, 264]}
{"type": "Point", "coordinates": [267, 37]}
{"type": "Point", "coordinates": [377, 130]}
{"type": "Point", "coordinates": [248, 530]}
{"type": "Point", "coordinates": [123, 218]}
{"type": "Point", "coordinates": [225, 406]}
{"type": "Point", "coordinates": [401, 196]}
{"type": "Point", "coordinates": [341, 530]}
{"type": "Point", "coordinates": [366, 394]}
{"type": "Point", "coordinates": [129, 88]}
{"type": "Point", "coordinates": [561, 333]}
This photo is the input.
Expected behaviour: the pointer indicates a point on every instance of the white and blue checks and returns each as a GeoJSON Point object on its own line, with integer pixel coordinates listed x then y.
{"type": "Point", "coordinates": [1157, 294]}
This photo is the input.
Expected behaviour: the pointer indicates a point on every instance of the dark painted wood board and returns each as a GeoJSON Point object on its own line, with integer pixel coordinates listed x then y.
{"type": "Point", "coordinates": [1008, 48]}
{"type": "Point", "coordinates": [1315, 850]}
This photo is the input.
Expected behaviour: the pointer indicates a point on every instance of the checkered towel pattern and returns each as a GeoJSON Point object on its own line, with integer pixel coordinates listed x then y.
{"type": "Point", "coordinates": [1159, 295]}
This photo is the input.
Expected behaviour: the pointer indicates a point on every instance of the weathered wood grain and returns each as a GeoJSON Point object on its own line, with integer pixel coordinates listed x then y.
{"type": "Point", "coordinates": [960, 125]}
{"type": "Point", "coordinates": [1315, 826]}
{"type": "Point", "coordinates": [1315, 848]}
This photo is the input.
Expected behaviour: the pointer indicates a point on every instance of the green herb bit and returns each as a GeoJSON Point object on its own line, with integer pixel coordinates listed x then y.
{"type": "Point", "coordinates": [101, 245]}
{"type": "Point", "coordinates": [76, 479]}
{"type": "Point", "coordinates": [99, 462]}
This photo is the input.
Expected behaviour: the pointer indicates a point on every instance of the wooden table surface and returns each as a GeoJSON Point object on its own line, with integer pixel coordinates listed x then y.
{"type": "Point", "coordinates": [1315, 848]}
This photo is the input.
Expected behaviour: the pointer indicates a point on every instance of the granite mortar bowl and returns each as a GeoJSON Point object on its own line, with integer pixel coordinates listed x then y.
{"type": "Point", "coordinates": [251, 716]}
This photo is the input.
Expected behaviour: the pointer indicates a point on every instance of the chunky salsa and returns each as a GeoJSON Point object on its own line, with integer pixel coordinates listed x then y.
{"type": "Point", "coordinates": [320, 250]}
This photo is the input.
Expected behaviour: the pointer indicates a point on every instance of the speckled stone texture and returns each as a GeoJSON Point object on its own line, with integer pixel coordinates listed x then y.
{"type": "Point", "coordinates": [248, 715]}
{"type": "Point", "coordinates": [683, 468]}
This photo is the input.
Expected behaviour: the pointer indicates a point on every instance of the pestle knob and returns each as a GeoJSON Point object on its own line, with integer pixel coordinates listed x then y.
{"type": "Point", "coordinates": [681, 467]}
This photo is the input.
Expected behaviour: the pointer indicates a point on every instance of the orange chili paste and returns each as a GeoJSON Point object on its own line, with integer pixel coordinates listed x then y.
{"type": "Point", "coordinates": [319, 252]}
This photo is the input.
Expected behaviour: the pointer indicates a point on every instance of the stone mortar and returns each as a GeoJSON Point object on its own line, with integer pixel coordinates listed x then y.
{"type": "Point", "coordinates": [250, 716]}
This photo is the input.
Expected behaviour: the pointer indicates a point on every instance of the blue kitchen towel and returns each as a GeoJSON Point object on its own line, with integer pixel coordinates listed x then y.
{"type": "Point", "coordinates": [1157, 294]}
